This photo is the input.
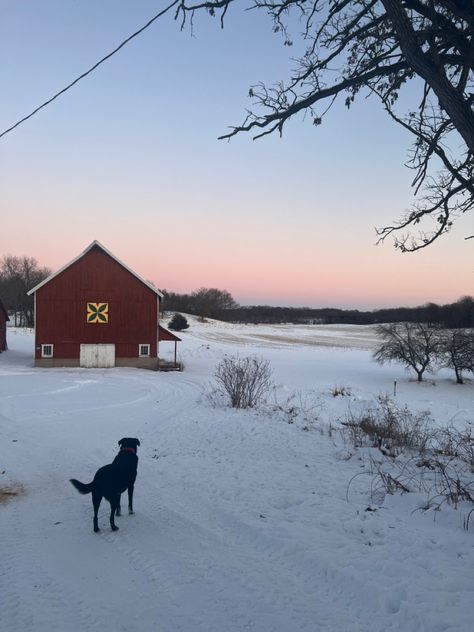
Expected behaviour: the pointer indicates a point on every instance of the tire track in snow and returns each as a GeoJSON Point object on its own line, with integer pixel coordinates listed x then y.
{"type": "Point", "coordinates": [185, 556]}
{"type": "Point", "coordinates": [259, 556]}
{"type": "Point", "coordinates": [33, 600]}
{"type": "Point", "coordinates": [199, 573]}
{"type": "Point", "coordinates": [78, 384]}
{"type": "Point", "coordinates": [193, 585]}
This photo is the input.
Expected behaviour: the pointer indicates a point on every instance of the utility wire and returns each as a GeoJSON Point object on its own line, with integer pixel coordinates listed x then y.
{"type": "Point", "coordinates": [88, 72]}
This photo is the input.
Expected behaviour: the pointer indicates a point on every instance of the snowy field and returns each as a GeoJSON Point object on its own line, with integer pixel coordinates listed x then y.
{"type": "Point", "coordinates": [243, 521]}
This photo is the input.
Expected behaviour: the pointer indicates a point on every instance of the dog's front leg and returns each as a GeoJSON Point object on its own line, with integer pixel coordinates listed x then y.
{"type": "Point", "coordinates": [130, 499]}
{"type": "Point", "coordinates": [114, 504]}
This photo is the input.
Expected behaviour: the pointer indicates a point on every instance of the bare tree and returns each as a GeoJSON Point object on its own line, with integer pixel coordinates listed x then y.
{"type": "Point", "coordinates": [211, 302]}
{"type": "Point", "coordinates": [456, 351]}
{"type": "Point", "coordinates": [380, 47]}
{"type": "Point", "coordinates": [413, 344]}
{"type": "Point", "coordinates": [17, 276]}
{"type": "Point", "coordinates": [245, 381]}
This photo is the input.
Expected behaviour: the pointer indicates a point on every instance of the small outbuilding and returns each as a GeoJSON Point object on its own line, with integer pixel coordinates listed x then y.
{"type": "Point", "coordinates": [96, 312]}
{"type": "Point", "coordinates": [3, 327]}
{"type": "Point", "coordinates": [164, 334]}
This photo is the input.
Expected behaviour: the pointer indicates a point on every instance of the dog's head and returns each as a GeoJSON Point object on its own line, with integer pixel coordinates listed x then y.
{"type": "Point", "coordinates": [129, 442]}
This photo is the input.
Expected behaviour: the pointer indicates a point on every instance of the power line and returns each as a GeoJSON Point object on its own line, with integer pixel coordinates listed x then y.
{"type": "Point", "coordinates": [88, 72]}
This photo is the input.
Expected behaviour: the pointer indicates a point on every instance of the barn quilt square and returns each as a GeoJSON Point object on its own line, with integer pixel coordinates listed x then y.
{"type": "Point", "coordinates": [97, 312]}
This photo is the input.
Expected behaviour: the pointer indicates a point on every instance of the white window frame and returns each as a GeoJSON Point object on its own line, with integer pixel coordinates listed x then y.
{"type": "Point", "coordinates": [43, 351]}
{"type": "Point", "coordinates": [143, 355]}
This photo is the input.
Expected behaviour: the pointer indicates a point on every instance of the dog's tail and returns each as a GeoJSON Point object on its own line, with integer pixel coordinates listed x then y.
{"type": "Point", "coordinates": [81, 487]}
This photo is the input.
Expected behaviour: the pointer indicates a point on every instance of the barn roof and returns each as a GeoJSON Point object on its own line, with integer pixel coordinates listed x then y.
{"type": "Point", "coordinates": [2, 309]}
{"type": "Point", "coordinates": [95, 244]}
{"type": "Point", "coordinates": [164, 334]}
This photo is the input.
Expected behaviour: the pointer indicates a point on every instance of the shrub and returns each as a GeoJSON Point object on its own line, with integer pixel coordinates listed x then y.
{"type": "Point", "coordinates": [452, 442]}
{"type": "Point", "coordinates": [178, 323]}
{"type": "Point", "coordinates": [244, 381]}
{"type": "Point", "coordinates": [341, 391]}
{"type": "Point", "coordinates": [440, 465]}
{"type": "Point", "coordinates": [304, 407]}
{"type": "Point", "coordinates": [389, 427]}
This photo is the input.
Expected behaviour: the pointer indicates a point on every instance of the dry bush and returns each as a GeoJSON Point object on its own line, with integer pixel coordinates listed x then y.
{"type": "Point", "coordinates": [244, 381]}
{"type": "Point", "coordinates": [447, 481]}
{"type": "Point", "coordinates": [304, 407]}
{"type": "Point", "coordinates": [438, 463]}
{"type": "Point", "coordinates": [341, 391]}
{"type": "Point", "coordinates": [451, 484]}
{"type": "Point", "coordinates": [456, 443]}
{"type": "Point", "coordinates": [388, 482]}
{"type": "Point", "coordinates": [389, 427]}
{"type": "Point", "coordinates": [443, 480]}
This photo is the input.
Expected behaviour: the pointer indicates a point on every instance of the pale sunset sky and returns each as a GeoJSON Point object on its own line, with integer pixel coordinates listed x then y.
{"type": "Point", "coordinates": [130, 157]}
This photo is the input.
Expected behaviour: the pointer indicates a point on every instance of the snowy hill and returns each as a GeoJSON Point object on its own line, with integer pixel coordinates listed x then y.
{"type": "Point", "coordinates": [243, 521]}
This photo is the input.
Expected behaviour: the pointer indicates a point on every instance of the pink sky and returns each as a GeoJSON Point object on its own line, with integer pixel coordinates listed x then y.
{"type": "Point", "coordinates": [260, 270]}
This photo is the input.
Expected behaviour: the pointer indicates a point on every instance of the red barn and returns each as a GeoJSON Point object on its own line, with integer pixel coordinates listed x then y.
{"type": "Point", "coordinates": [96, 312]}
{"type": "Point", "coordinates": [3, 327]}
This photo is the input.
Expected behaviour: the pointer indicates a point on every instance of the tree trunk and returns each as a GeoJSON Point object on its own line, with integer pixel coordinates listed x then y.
{"type": "Point", "coordinates": [452, 101]}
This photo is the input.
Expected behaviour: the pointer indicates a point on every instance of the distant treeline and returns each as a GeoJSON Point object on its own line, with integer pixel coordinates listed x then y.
{"type": "Point", "coordinates": [20, 274]}
{"type": "Point", "coordinates": [452, 315]}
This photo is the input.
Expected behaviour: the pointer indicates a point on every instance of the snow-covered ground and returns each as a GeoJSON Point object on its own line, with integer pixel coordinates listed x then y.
{"type": "Point", "coordinates": [243, 521]}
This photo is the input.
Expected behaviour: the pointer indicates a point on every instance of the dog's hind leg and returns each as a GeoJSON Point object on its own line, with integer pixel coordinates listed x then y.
{"type": "Point", "coordinates": [118, 511]}
{"type": "Point", "coordinates": [114, 506]}
{"type": "Point", "coordinates": [130, 499]}
{"type": "Point", "coordinates": [96, 500]}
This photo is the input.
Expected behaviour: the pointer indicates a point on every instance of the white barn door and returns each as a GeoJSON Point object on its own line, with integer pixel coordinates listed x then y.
{"type": "Point", "coordinates": [97, 356]}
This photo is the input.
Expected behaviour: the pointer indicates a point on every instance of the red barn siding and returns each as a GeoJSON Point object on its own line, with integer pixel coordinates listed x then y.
{"type": "Point", "coordinates": [61, 306]}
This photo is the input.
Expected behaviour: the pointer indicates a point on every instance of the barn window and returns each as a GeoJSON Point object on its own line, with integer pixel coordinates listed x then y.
{"type": "Point", "coordinates": [144, 351]}
{"type": "Point", "coordinates": [46, 351]}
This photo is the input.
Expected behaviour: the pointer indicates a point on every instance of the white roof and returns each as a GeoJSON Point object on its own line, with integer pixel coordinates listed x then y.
{"type": "Point", "coordinates": [95, 243]}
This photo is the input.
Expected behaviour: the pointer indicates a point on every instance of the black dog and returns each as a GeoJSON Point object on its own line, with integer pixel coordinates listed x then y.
{"type": "Point", "coordinates": [111, 480]}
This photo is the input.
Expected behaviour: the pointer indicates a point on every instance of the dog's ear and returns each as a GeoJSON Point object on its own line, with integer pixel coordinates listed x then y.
{"type": "Point", "coordinates": [121, 441]}
{"type": "Point", "coordinates": [138, 442]}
